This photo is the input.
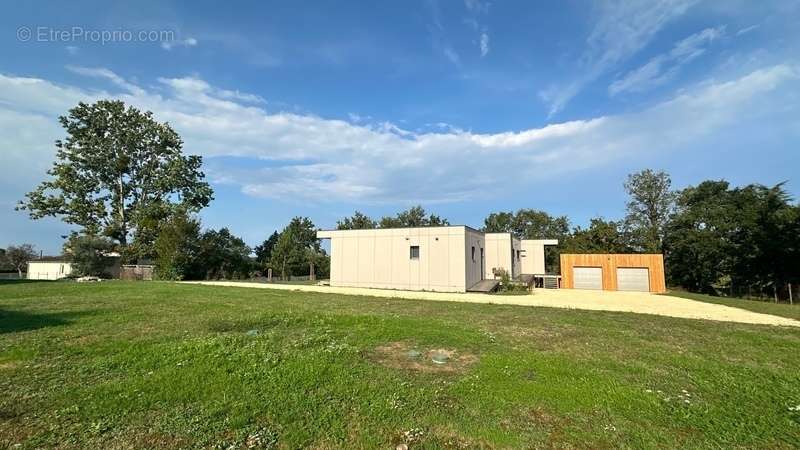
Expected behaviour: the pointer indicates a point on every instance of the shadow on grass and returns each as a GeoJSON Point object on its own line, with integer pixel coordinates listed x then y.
{"type": "Point", "coordinates": [23, 281]}
{"type": "Point", "coordinates": [15, 321]}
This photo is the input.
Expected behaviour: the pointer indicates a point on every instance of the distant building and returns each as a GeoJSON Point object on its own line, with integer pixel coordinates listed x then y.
{"type": "Point", "coordinates": [58, 267]}
{"type": "Point", "coordinates": [49, 268]}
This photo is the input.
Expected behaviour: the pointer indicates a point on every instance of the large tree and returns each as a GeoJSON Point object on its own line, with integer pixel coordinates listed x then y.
{"type": "Point", "coordinates": [297, 249]}
{"type": "Point", "coordinates": [18, 256]}
{"type": "Point", "coordinates": [698, 240]}
{"type": "Point", "coordinates": [358, 221]}
{"type": "Point", "coordinates": [528, 224]}
{"type": "Point", "coordinates": [223, 255]}
{"type": "Point", "coordinates": [177, 248]}
{"type": "Point", "coordinates": [264, 251]}
{"type": "Point", "coordinates": [648, 209]}
{"type": "Point", "coordinates": [499, 222]}
{"type": "Point", "coordinates": [765, 238]}
{"type": "Point", "coordinates": [118, 173]}
{"type": "Point", "coordinates": [600, 237]}
{"type": "Point", "coordinates": [733, 240]}
{"type": "Point", "coordinates": [415, 216]}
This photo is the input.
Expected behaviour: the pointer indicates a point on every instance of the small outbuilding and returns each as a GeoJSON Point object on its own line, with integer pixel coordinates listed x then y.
{"type": "Point", "coordinates": [58, 267]}
{"type": "Point", "coordinates": [49, 269]}
{"type": "Point", "coordinates": [613, 272]}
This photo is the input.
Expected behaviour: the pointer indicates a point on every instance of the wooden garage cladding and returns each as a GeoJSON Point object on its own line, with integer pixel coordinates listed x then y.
{"type": "Point", "coordinates": [654, 263]}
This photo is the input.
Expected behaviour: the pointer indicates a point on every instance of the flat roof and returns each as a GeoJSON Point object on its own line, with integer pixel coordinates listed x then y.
{"type": "Point", "coordinates": [52, 259]}
{"type": "Point", "coordinates": [404, 228]}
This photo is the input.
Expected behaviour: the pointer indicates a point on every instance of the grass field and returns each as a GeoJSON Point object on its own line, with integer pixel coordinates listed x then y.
{"type": "Point", "coordinates": [759, 306]}
{"type": "Point", "coordinates": [157, 365]}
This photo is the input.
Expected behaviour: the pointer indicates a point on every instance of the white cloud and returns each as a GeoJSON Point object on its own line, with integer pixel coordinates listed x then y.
{"type": "Point", "coordinates": [100, 72]}
{"type": "Point", "coordinates": [484, 43]}
{"type": "Point", "coordinates": [188, 42]}
{"type": "Point", "coordinates": [305, 157]}
{"type": "Point", "coordinates": [748, 29]}
{"type": "Point", "coordinates": [477, 6]}
{"type": "Point", "coordinates": [623, 28]}
{"type": "Point", "coordinates": [662, 68]}
{"type": "Point", "coordinates": [451, 55]}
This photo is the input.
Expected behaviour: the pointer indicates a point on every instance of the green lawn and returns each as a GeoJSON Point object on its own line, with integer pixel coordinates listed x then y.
{"type": "Point", "coordinates": [764, 307]}
{"type": "Point", "coordinates": [157, 365]}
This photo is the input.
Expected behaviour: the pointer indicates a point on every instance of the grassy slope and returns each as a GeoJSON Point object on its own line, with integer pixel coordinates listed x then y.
{"type": "Point", "coordinates": [764, 307]}
{"type": "Point", "coordinates": [162, 365]}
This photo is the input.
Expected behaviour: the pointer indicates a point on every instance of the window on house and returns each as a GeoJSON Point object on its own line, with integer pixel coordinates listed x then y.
{"type": "Point", "coordinates": [473, 253]}
{"type": "Point", "coordinates": [414, 252]}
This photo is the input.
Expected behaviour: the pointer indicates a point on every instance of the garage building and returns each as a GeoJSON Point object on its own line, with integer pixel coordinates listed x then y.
{"type": "Point", "coordinates": [613, 272]}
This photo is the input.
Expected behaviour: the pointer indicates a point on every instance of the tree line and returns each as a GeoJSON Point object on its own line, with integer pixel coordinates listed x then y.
{"type": "Point", "coordinates": [122, 180]}
{"type": "Point", "coordinates": [716, 239]}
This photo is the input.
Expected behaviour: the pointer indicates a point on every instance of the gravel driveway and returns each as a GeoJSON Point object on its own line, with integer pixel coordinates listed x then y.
{"type": "Point", "coordinates": [635, 302]}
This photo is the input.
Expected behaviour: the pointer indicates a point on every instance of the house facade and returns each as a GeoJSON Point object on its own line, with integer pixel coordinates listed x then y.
{"type": "Point", "coordinates": [48, 269]}
{"type": "Point", "coordinates": [445, 259]}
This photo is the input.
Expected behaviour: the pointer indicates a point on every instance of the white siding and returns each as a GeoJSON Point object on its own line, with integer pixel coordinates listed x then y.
{"type": "Point", "coordinates": [381, 258]}
{"type": "Point", "coordinates": [533, 255]}
{"type": "Point", "coordinates": [48, 270]}
{"type": "Point", "coordinates": [501, 252]}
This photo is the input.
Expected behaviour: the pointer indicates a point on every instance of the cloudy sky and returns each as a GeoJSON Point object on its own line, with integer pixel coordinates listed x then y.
{"type": "Point", "coordinates": [464, 107]}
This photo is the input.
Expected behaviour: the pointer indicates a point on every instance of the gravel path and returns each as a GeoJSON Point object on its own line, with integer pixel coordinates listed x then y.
{"type": "Point", "coordinates": [635, 302]}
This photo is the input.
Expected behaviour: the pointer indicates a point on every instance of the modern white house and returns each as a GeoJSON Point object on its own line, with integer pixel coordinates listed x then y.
{"type": "Point", "coordinates": [446, 259]}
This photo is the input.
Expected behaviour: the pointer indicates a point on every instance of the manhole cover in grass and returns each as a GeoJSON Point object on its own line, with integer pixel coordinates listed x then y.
{"type": "Point", "coordinates": [400, 355]}
{"type": "Point", "coordinates": [440, 356]}
{"type": "Point", "coordinates": [414, 354]}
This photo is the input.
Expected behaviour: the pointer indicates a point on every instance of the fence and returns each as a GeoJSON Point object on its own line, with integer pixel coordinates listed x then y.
{"type": "Point", "coordinates": [136, 272]}
{"type": "Point", "coordinates": [10, 276]}
{"type": "Point", "coordinates": [44, 276]}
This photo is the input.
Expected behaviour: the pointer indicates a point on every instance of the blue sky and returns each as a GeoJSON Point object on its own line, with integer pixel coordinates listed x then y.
{"type": "Point", "coordinates": [463, 107]}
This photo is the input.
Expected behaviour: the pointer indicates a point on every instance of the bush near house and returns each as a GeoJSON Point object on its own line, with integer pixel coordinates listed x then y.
{"type": "Point", "coordinates": [90, 255]}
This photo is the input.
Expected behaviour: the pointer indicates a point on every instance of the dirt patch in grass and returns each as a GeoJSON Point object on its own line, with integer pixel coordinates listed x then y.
{"type": "Point", "coordinates": [537, 418]}
{"type": "Point", "coordinates": [405, 356]}
{"type": "Point", "coordinates": [9, 365]}
{"type": "Point", "coordinates": [448, 438]}
{"type": "Point", "coordinates": [157, 440]}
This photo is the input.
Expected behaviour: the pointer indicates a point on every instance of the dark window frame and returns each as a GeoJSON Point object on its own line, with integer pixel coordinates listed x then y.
{"type": "Point", "coordinates": [411, 252]}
